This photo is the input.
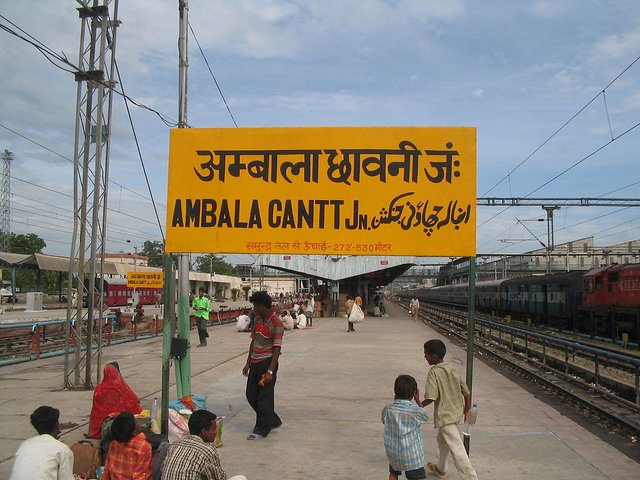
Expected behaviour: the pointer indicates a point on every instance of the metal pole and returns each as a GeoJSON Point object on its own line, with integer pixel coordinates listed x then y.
{"type": "Point", "coordinates": [167, 336]}
{"type": "Point", "coordinates": [550, 240]}
{"type": "Point", "coordinates": [471, 320]}
{"type": "Point", "coordinates": [183, 365]}
{"type": "Point", "coordinates": [471, 329]}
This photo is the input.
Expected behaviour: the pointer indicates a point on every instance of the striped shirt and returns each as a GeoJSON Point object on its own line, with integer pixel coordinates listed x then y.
{"type": "Point", "coordinates": [128, 460]}
{"type": "Point", "coordinates": [191, 459]}
{"type": "Point", "coordinates": [402, 437]}
{"type": "Point", "coordinates": [266, 335]}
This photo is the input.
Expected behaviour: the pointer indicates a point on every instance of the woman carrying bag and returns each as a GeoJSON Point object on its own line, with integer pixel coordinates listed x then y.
{"type": "Point", "coordinates": [356, 315]}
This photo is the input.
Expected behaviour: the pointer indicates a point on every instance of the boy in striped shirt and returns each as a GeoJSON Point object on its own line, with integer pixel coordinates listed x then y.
{"type": "Point", "coordinates": [402, 437]}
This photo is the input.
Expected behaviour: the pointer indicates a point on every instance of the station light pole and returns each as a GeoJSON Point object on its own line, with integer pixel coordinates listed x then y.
{"type": "Point", "coordinates": [550, 239]}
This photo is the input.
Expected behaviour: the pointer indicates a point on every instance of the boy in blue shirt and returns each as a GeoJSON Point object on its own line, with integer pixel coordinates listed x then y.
{"type": "Point", "coordinates": [402, 437]}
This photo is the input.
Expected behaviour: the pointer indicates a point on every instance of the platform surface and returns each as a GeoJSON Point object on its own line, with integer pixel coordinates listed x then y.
{"type": "Point", "coordinates": [331, 388]}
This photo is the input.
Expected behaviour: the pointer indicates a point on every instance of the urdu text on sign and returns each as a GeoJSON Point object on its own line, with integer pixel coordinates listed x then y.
{"type": "Point", "coordinates": [323, 190]}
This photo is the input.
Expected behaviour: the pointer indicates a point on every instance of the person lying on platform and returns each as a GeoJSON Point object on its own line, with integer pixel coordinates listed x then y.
{"type": "Point", "coordinates": [43, 456]}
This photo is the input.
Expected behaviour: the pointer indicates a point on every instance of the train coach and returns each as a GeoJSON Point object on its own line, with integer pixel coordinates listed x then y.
{"type": "Point", "coordinates": [603, 302]}
{"type": "Point", "coordinates": [117, 293]}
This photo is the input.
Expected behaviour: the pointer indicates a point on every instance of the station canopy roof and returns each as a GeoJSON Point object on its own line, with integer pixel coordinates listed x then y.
{"type": "Point", "coordinates": [379, 270]}
{"type": "Point", "coordinates": [47, 262]}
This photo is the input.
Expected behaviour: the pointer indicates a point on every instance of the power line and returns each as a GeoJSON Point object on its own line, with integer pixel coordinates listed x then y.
{"type": "Point", "coordinates": [562, 127]}
{"type": "Point", "coordinates": [586, 157]}
{"type": "Point", "coordinates": [71, 161]}
{"type": "Point", "coordinates": [53, 57]}
{"type": "Point", "coordinates": [144, 170]}
{"type": "Point", "coordinates": [70, 196]}
{"type": "Point", "coordinates": [212, 75]}
{"type": "Point", "coordinates": [583, 159]}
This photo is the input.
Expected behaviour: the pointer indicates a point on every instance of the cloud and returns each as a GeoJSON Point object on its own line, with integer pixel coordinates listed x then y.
{"type": "Point", "coordinates": [619, 46]}
{"type": "Point", "coordinates": [550, 8]}
{"type": "Point", "coordinates": [516, 70]}
{"type": "Point", "coordinates": [335, 101]}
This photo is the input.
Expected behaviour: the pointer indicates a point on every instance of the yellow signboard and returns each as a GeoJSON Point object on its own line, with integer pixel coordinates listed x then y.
{"type": "Point", "coordinates": [145, 279]}
{"type": "Point", "coordinates": [323, 190]}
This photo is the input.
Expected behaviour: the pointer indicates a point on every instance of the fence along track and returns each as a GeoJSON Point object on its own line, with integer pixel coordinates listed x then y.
{"type": "Point", "coordinates": [518, 353]}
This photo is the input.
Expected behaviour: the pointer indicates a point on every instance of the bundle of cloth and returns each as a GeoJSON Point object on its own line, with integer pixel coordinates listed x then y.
{"type": "Point", "coordinates": [243, 323]}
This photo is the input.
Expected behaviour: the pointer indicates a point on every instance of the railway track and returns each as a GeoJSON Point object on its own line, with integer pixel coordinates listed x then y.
{"type": "Point", "coordinates": [603, 398]}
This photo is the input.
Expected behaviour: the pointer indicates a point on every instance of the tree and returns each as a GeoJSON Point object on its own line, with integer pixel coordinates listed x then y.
{"type": "Point", "coordinates": [211, 263]}
{"type": "Point", "coordinates": [155, 251]}
{"type": "Point", "coordinates": [27, 278]}
{"type": "Point", "coordinates": [245, 289]}
{"type": "Point", "coordinates": [27, 244]}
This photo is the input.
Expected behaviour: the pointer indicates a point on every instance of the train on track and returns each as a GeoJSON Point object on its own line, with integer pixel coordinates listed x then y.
{"type": "Point", "coordinates": [603, 302]}
{"type": "Point", "coordinates": [117, 293]}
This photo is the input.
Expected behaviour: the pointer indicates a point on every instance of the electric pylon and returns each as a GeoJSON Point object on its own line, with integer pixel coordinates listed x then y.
{"type": "Point", "coordinates": [95, 80]}
{"type": "Point", "coordinates": [5, 202]}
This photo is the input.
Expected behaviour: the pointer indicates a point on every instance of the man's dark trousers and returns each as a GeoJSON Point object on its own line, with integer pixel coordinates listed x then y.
{"type": "Point", "coordinates": [201, 325]}
{"type": "Point", "coordinates": [261, 399]}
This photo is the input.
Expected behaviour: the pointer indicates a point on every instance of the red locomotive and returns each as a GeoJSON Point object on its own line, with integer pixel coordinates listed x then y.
{"type": "Point", "coordinates": [611, 296]}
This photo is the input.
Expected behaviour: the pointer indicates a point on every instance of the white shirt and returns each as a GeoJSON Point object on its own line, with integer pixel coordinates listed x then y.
{"type": "Point", "coordinates": [43, 458]}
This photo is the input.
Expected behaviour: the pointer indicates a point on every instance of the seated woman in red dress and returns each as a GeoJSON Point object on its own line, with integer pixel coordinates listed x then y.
{"type": "Point", "coordinates": [111, 396]}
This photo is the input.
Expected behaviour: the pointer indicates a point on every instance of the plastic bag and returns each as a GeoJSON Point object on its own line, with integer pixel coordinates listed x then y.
{"type": "Point", "coordinates": [178, 426]}
{"type": "Point", "coordinates": [357, 315]}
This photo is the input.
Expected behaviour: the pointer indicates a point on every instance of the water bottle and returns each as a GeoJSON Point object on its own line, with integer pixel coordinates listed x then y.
{"type": "Point", "coordinates": [154, 409]}
{"type": "Point", "coordinates": [470, 419]}
{"type": "Point", "coordinates": [472, 416]}
{"type": "Point", "coordinates": [155, 421]}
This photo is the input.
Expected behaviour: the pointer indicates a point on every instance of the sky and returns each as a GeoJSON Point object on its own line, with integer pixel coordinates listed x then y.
{"type": "Point", "coordinates": [551, 86]}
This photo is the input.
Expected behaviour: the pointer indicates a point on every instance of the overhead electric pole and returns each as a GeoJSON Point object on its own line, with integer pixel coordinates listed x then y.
{"type": "Point", "coordinates": [5, 202]}
{"type": "Point", "coordinates": [183, 365]}
{"type": "Point", "coordinates": [95, 82]}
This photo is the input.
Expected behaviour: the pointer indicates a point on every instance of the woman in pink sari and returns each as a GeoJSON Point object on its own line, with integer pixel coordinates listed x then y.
{"type": "Point", "coordinates": [111, 396]}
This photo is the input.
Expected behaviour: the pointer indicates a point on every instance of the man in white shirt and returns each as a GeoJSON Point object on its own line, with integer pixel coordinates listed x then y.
{"type": "Point", "coordinates": [43, 457]}
{"type": "Point", "coordinates": [415, 307]}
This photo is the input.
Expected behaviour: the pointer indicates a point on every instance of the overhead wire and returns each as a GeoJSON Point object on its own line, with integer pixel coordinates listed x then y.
{"type": "Point", "coordinates": [50, 55]}
{"type": "Point", "coordinates": [71, 196]}
{"type": "Point", "coordinates": [562, 126]}
{"type": "Point", "coordinates": [144, 169]}
{"type": "Point", "coordinates": [71, 161]}
{"type": "Point", "coordinates": [583, 159]}
{"type": "Point", "coordinates": [212, 75]}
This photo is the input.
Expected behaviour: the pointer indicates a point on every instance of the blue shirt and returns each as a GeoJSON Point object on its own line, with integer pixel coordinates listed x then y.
{"type": "Point", "coordinates": [402, 437]}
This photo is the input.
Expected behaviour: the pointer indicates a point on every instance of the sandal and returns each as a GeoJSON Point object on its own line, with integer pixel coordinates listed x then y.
{"type": "Point", "coordinates": [254, 436]}
{"type": "Point", "coordinates": [433, 468]}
